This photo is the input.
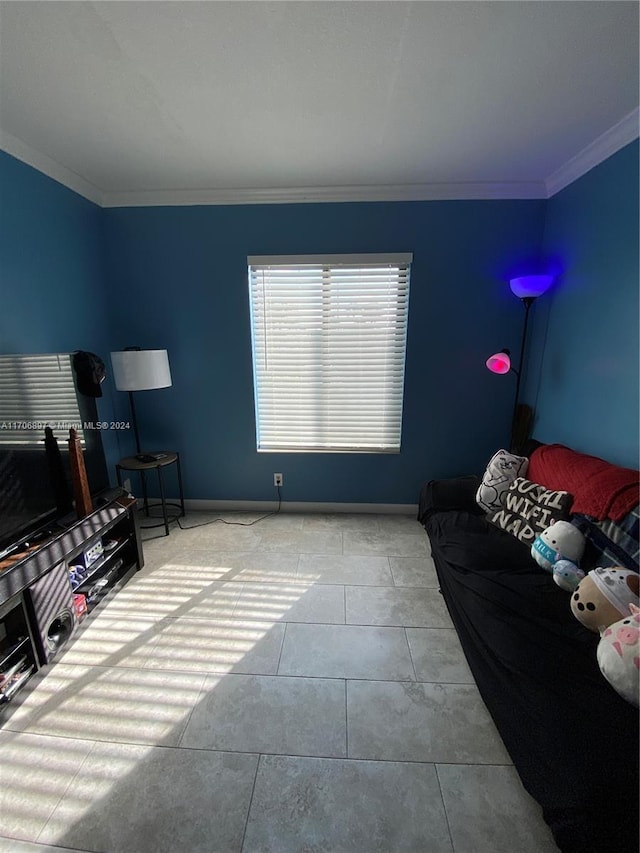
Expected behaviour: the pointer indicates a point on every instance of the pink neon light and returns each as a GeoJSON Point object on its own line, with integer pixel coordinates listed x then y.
{"type": "Point", "coordinates": [499, 362]}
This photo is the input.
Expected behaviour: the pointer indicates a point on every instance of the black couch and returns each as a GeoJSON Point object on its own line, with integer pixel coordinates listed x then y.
{"type": "Point", "coordinates": [572, 739]}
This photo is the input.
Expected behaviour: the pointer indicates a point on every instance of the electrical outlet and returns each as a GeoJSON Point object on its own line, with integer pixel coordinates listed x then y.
{"type": "Point", "coordinates": [277, 479]}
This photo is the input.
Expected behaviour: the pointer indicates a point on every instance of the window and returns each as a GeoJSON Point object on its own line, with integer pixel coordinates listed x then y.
{"type": "Point", "coordinates": [36, 390]}
{"type": "Point", "coordinates": [329, 336]}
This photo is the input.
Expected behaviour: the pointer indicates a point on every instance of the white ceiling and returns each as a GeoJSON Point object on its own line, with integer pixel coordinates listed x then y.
{"type": "Point", "coordinates": [134, 102]}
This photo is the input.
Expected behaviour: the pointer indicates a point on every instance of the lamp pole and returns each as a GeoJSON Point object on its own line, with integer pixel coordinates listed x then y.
{"type": "Point", "coordinates": [134, 421]}
{"type": "Point", "coordinates": [527, 288]}
{"type": "Point", "coordinates": [527, 301]}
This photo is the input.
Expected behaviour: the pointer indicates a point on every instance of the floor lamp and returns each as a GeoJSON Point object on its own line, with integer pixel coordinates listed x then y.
{"type": "Point", "coordinates": [527, 288]}
{"type": "Point", "coordinates": [135, 369]}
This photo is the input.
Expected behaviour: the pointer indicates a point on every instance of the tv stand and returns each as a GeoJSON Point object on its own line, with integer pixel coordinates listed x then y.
{"type": "Point", "coordinates": [37, 582]}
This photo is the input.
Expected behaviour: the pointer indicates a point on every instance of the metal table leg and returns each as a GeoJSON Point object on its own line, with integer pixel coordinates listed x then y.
{"type": "Point", "coordinates": [163, 500]}
{"type": "Point", "coordinates": [180, 484]}
{"type": "Point", "coordinates": [145, 501]}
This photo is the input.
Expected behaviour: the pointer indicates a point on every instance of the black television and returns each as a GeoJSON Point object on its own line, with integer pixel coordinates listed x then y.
{"type": "Point", "coordinates": [37, 391]}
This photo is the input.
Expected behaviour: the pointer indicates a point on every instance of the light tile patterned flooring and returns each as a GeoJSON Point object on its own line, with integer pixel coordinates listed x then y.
{"type": "Point", "coordinates": [294, 685]}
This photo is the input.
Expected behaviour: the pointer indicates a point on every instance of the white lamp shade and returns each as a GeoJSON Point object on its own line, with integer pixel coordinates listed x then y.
{"type": "Point", "coordinates": [141, 370]}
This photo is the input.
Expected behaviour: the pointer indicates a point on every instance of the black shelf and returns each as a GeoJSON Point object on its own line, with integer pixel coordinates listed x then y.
{"type": "Point", "coordinates": [19, 680]}
{"type": "Point", "coordinates": [99, 564]}
{"type": "Point", "coordinates": [17, 653]}
{"type": "Point", "coordinates": [33, 588]}
{"type": "Point", "coordinates": [69, 543]}
{"type": "Point", "coordinates": [21, 643]}
{"type": "Point", "coordinates": [95, 591]}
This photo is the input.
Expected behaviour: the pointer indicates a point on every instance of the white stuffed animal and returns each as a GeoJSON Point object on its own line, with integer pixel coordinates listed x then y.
{"type": "Point", "coordinates": [561, 541]}
{"type": "Point", "coordinates": [619, 655]}
{"type": "Point", "coordinates": [559, 550]}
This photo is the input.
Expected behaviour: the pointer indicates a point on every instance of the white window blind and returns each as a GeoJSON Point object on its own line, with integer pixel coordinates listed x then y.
{"type": "Point", "coordinates": [329, 337]}
{"type": "Point", "coordinates": [36, 391]}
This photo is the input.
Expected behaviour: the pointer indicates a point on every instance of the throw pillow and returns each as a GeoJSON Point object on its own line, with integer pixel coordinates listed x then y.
{"type": "Point", "coordinates": [502, 470]}
{"type": "Point", "coordinates": [529, 509]}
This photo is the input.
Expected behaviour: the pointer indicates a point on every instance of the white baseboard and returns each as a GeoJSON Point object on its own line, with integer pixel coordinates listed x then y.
{"type": "Point", "coordinates": [293, 506]}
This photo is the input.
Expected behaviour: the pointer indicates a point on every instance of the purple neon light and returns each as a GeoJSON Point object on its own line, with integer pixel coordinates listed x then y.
{"type": "Point", "coordinates": [531, 285]}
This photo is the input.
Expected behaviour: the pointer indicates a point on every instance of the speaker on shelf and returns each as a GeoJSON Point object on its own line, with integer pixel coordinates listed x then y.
{"type": "Point", "coordinates": [52, 611]}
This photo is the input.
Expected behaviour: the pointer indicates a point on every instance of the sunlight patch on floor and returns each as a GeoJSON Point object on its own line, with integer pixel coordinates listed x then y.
{"type": "Point", "coordinates": [133, 676]}
{"type": "Point", "coordinates": [35, 772]}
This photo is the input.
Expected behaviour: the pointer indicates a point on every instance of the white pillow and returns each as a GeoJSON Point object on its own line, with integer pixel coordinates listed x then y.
{"type": "Point", "coordinates": [502, 470]}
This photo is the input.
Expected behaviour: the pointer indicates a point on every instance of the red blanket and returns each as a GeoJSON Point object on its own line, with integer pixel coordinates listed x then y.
{"type": "Point", "coordinates": [599, 489]}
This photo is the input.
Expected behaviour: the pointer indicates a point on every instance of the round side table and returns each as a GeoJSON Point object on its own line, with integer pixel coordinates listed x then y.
{"type": "Point", "coordinates": [161, 460]}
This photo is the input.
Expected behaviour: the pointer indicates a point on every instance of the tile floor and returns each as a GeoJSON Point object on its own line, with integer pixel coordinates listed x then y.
{"type": "Point", "coordinates": [294, 685]}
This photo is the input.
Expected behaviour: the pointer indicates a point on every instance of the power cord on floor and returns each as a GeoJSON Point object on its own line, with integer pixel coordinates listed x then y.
{"type": "Point", "coordinates": [238, 523]}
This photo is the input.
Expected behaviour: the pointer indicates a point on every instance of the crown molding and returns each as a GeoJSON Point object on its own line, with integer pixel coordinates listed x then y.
{"type": "Point", "coordinates": [612, 140]}
{"type": "Point", "coordinates": [23, 152]}
{"type": "Point", "coordinates": [272, 195]}
{"type": "Point", "coordinates": [300, 195]}
{"type": "Point", "coordinates": [622, 133]}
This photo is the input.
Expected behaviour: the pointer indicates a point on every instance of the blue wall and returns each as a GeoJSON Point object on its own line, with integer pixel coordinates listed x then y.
{"type": "Point", "coordinates": [75, 276]}
{"type": "Point", "coordinates": [177, 278]}
{"type": "Point", "coordinates": [51, 264]}
{"type": "Point", "coordinates": [52, 284]}
{"type": "Point", "coordinates": [583, 377]}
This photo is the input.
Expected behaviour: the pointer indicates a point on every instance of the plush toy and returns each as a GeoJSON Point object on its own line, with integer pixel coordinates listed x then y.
{"type": "Point", "coordinates": [604, 596]}
{"type": "Point", "coordinates": [619, 655]}
{"type": "Point", "coordinates": [561, 541]}
{"type": "Point", "coordinates": [567, 575]}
